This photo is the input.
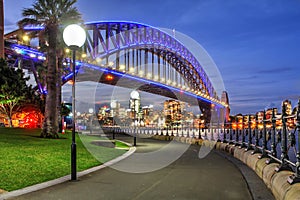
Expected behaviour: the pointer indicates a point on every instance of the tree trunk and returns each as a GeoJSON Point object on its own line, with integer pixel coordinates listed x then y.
{"type": "Point", "coordinates": [10, 122]}
{"type": "Point", "coordinates": [50, 125]}
{"type": "Point", "coordinates": [58, 90]}
{"type": "Point", "coordinates": [1, 29]}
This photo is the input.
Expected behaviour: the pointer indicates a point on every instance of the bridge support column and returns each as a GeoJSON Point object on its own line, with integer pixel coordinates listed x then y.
{"type": "Point", "coordinates": [205, 108]}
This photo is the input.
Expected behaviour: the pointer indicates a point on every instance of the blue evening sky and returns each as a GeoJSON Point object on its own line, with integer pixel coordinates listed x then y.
{"type": "Point", "coordinates": [254, 43]}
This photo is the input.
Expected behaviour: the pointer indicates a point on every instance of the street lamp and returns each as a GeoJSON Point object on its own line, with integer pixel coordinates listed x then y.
{"type": "Point", "coordinates": [91, 111]}
{"type": "Point", "coordinates": [74, 36]}
{"type": "Point", "coordinates": [135, 97]}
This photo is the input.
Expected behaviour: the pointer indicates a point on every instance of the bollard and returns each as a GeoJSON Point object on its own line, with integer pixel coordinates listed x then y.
{"type": "Point", "coordinates": [284, 154]}
{"type": "Point", "coordinates": [295, 178]}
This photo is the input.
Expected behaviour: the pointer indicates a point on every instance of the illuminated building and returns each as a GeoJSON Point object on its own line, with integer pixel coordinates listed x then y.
{"type": "Point", "coordinates": [114, 108]}
{"type": "Point", "coordinates": [173, 112]}
{"type": "Point", "coordinates": [225, 111]}
{"type": "Point", "coordinates": [103, 115]}
{"type": "Point", "coordinates": [239, 121]}
{"type": "Point", "coordinates": [147, 114]}
{"type": "Point", "coordinates": [270, 111]}
{"type": "Point", "coordinates": [288, 107]}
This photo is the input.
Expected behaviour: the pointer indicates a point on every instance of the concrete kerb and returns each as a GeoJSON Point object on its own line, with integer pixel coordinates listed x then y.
{"type": "Point", "coordinates": [66, 178]}
{"type": "Point", "coordinates": [275, 181]}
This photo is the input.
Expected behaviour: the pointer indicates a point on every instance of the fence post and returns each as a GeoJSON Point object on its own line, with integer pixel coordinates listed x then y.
{"type": "Point", "coordinates": [236, 132]}
{"type": "Point", "coordinates": [243, 134]}
{"type": "Point", "coordinates": [219, 134]}
{"type": "Point", "coordinates": [264, 136]}
{"type": "Point", "coordinates": [211, 132]}
{"type": "Point", "coordinates": [199, 131]}
{"type": "Point", "coordinates": [295, 178]}
{"type": "Point", "coordinates": [224, 134]}
{"type": "Point", "coordinates": [230, 133]}
{"type": "Point", "coordinates": [284, 154]}
{"type": "Point", "coordinates": [273, 138]}
{"type": "Point", "coordinates": [249, 146]}
{"type": "Point", "coordinates": [256, 149]}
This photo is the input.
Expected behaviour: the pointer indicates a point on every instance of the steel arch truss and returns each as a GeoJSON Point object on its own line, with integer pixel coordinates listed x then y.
{"type": "Point", "coordinates": [107, 38]}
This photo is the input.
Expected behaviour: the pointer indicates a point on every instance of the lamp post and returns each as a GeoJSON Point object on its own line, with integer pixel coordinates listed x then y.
{"type": "Point", "coordinates": [113, 106]}
{"type": "Point", "coordinates": [74, 36]}
{"type": "Point", "coordinates": [135, 97]}
{"type": "Point", "coordinates": [91, 111]}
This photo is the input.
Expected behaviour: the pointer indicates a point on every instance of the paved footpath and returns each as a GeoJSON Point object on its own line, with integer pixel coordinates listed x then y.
{"type": "Point", "coordinates": [213, 177]}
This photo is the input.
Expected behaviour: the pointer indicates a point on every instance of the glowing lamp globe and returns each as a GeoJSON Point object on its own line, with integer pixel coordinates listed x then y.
{"type": "Point", "coordinates": [113, 104]}
{"type": "Point", "coordinates": [74, 36]}
{"type": "Point", "coordinates": [134, 95]}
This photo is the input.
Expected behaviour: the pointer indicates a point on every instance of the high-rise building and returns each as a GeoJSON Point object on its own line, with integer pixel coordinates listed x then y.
{"type": "Point", "coordinates": [147, 114]}
{"type": "Point", "coordinates": [134, 105]}
{"type": "Point", "coordinates": [114, 108]}
{"type": "Point", "coordinates": [288, 107]}
{"type": "Point", "coordinates": [173, 112]}
{"type": "Point", "coordinates": [226, 111]}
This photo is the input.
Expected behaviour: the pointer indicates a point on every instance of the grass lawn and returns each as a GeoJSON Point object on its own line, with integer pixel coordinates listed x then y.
{"type": "Point", "coordinates": [26, 159]}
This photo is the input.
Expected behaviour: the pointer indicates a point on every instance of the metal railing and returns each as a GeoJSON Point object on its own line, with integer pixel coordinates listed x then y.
{"type": "Point", "coordinates": [278, 143]}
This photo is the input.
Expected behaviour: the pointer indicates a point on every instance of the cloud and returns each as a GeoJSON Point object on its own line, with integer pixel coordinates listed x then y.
{"type": "Point", "coordinates": [278, 70]}
{"type": "Point", "coordinates": [9, 25]}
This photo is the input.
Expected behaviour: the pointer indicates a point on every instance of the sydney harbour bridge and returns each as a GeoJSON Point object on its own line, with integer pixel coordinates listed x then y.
{"type": "Point", "coordinates": [132, 55]}
{"type": "Point", "coordinates": [145, 58]}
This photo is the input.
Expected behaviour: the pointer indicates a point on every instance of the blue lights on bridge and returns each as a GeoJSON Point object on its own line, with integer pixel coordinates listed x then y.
{"type": "Point", "coordinates": [160, 40]}
{"type": "Point", "coordinates": [28, 52]}
{"type": "Point", "coordinates": [147, 81]}
{"type": "Point", "coordinates": [36, 55]}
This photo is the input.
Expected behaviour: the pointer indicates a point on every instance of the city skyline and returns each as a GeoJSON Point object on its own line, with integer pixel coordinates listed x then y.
{"type": "Point", "coordinates": [255, 44]}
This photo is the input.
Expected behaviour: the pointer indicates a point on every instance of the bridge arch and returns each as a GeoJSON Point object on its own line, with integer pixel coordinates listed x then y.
{"type": "Point", "coordinates": [136, 44]}
{"type": "Point", "coordinates": [140, 50]}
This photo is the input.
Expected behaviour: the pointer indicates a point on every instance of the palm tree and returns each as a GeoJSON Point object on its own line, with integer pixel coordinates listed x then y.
{"type": "Point", "coordinates": [52, 14]}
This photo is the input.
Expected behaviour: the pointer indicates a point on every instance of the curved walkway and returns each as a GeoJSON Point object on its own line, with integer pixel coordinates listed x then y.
{"type": "Point", "coordinates": [189, 177]}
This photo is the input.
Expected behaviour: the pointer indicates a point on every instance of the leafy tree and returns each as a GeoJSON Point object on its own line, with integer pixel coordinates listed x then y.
{"type": "Point", "coordinates": [14, 92]}
{"type": "Point", "coordinates": [51, 14]}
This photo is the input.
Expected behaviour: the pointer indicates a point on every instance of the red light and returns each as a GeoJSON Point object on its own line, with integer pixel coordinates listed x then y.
{"type": "Point", "coordinates": [109, 77]}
